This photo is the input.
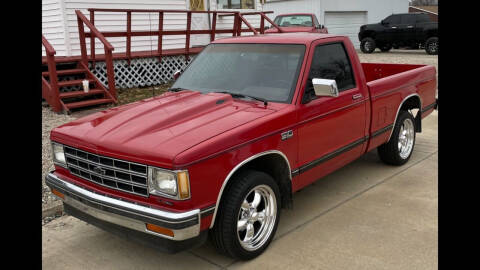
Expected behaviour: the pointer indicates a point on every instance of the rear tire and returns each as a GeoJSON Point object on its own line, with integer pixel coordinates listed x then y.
{"type": "Point", "coordinates": [431, 46]}
{"type": "Point", "coordinates": [248, 215]}
{"type": "Point", "coordinates": [367, 45]}
{"type": "Point", "coordinates": [399, 149]}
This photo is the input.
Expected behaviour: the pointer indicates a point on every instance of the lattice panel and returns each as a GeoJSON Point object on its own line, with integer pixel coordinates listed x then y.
{"type": "Point", "coordinates": [141, 71]}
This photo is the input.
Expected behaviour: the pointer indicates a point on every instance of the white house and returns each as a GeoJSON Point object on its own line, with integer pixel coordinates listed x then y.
{"type": "Point", "coordinates": [60, 28]}
{"type": "Point", "coordinates": [341, 16]}
{"type": "Point", "coordinates": [59, 22]}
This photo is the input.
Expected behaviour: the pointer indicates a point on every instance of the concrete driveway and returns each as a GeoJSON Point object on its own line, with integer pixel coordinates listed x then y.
{"type": "Point", "coordinates": [366, 215]}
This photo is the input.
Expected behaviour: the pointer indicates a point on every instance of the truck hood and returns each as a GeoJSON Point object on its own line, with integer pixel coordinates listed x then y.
{"type": "Point", "coordinates": [154, 131]}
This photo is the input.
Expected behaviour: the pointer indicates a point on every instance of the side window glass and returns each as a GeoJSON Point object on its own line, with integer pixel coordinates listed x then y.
{"type": "Point", "coordinates": [330, 61]}
{"type": "Point", "coordinates": [393, 19]}
{"type": "Point", "coordinates": [315, 21]}
{"type": "Point", "coordinates": [408, 19]}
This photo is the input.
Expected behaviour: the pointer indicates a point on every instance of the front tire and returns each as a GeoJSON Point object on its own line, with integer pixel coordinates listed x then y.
{"type": "Point", "coordinates": [248, 215]}
{"type": "Point", "coordinates": [431, 46]}
{"type": "Point", "coordinates": [399, 149]}
{"type": "Point", "coordinates": [367, 45]}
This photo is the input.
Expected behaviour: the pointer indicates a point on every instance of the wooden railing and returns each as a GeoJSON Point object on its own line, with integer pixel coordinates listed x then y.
{"type": "Point", "coordinates": [161, 32]}
{"type": "Point", "coordinates": [94, 33]}
{"type": "Point", "coordinates": [50, 91]}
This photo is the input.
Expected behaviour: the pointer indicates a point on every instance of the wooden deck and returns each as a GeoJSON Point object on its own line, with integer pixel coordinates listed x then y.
{"type": "Point", "coordinates": [116, 56]}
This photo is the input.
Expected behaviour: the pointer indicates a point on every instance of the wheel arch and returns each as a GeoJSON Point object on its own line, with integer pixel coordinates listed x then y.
{"type": "Point", "coordinates": [281, 173]}
{"type": "Point", "coordinates": [412, 101]}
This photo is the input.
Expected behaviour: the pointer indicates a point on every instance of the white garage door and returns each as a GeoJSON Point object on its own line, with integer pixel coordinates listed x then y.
{"type": "Point", "coordinates": [346, 23]}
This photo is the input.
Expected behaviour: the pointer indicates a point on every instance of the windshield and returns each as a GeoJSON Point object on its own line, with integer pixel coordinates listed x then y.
{"type": "Point", "coordinates": [294, 20]}
{"type": "Point", "coordinates": [266, 71]}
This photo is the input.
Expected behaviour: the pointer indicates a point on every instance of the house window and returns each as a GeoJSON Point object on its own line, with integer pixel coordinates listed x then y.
{"type": "Point", "coordinates": [235, 4]}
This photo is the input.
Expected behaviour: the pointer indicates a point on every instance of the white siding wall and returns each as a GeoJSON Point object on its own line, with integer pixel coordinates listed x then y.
{"type": "Point", "coordinates": [107, 21]}
{"type": "Point", "coordinates": [376, 9]}
{"type": "Point", "coordinates": [53, 25]}
{"type": "Point", "coordinates": [60, 23]}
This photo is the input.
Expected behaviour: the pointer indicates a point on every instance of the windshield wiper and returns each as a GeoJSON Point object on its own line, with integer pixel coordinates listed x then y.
{"type": "Point", "coordinates": [265, 102]}
{"type": "Point", "coordinates": [176, 89]}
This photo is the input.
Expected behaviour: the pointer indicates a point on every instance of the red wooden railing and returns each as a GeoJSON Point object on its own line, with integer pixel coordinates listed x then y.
{"type": "Point", "coordinates": [94, 33]}
{"type": "Point", "coordinates": [50, 91]}
{"type": "Point", "coordinates": [160, 32]}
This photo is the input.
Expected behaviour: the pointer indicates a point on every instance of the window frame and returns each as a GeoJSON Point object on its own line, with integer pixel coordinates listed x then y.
{"type": "Point", "coordinates": [236, 9]}
{"type": "Point", "coordinates": [355, 83]}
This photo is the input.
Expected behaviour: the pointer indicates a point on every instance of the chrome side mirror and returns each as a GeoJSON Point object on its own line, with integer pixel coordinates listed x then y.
{"type": "Point", "coordinates": [325, 87]}
{"type": "Point", "coordinates": [177, 74]}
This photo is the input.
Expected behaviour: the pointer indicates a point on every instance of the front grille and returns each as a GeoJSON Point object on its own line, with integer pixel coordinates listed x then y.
{"type": "Point", "coordinates": [109, 172]}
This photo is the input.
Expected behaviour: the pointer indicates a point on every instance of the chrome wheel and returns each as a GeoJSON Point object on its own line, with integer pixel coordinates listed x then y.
{"type": "Point", "coordinates": [368, 46]}
{"type": "Point", "coordinates": [433, 47]}
{"type": "Point", "coordinates": [256, 217]}
{"type": "Point", "coordinates": [406, 138]}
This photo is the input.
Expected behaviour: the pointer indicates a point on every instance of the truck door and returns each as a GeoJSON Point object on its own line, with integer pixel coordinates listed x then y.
{"type": "Point", "coordinates": [390, 30]}
{"type": "Point", "coordinates": [331, 132]}
{"type": "Point", "coordinates": [406, 28]}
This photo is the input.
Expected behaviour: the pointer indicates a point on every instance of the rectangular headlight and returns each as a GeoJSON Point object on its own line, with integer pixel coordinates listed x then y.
{"type": "Point", "coordinates": [173, 184]}
{"type": "Point", "coordinates": [58, 154]}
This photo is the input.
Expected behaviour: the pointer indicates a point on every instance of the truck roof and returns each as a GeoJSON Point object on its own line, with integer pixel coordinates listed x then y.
{"type": "Point", "coordinates": [281, 38]}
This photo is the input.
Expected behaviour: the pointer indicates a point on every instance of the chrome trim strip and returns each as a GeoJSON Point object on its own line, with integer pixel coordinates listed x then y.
{"type": "Point", "coordinates": [238, 167]}
{"type": "Point", "coordinates": [398, 110]}
{"type": "Point", "coordinates": [179, 234]}
{"type": "Point", "coordinates": [126, 207]}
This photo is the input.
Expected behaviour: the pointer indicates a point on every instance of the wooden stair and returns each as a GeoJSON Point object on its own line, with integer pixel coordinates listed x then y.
{"type": "Point", "coordinates": [74, 99]}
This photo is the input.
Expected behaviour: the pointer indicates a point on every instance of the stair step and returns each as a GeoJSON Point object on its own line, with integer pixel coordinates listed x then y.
{"type": "Point", "coordinates": [73, 82]}
{"type": "Point", "coordinates": [66, 72]}
{"type": "Point", "coordinates": [85, 103]}
{"type": "Point", "coordinates": [81, 93]}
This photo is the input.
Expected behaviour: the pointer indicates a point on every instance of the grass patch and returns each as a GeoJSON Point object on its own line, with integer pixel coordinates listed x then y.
{"type": "Point", "coordinates": [130, 95]}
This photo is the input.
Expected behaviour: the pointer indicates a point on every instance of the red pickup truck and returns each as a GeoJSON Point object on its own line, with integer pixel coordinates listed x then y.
{"type": "Point", "coordinates": [297, 22]}
{"type": "Point", "coordinates": [250, 121]}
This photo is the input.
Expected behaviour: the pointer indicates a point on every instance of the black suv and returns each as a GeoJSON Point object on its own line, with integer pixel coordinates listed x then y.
{"type": "Point", "coordinates": [414, 30]}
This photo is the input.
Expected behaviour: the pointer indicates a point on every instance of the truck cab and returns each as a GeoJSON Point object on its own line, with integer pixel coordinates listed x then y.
{"type": "Point", "coordinates": [298, 22]}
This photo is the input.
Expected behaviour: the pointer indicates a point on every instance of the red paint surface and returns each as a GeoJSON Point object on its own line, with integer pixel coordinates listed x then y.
{"type": "Point", "coordinates": [188, 130]}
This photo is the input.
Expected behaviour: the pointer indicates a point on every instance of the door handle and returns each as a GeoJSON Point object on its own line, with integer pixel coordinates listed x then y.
{"type": "Point", "coordinates": [394, 27]}
{"type": "Point", "coordinates": [357, 96]}
{"type": "Point", "coordinates": [410, 26]}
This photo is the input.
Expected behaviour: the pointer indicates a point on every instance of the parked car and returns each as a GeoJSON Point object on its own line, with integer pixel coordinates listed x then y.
{"type": "Point", "coordinates": [252, 120]}
{"type": "Point", "coordinates": [297, 22]}
{"type": "Point", "coordinates": [414, 30]}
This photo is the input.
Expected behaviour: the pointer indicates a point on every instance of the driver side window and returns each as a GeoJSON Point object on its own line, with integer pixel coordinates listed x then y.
{"type": "Point", "coordinates": [330, 61]}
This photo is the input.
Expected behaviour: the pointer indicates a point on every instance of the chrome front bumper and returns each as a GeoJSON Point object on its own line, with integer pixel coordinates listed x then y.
{"type": "Point", "coordinates": [185, 225]}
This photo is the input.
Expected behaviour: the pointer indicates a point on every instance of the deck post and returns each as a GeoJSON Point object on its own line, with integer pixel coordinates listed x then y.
{"type": "Point", "coordinates": [187, 40]}
{"type": "Point", "coordinates": [214, 26]}
{"type": "Point", "coordinates": [92, 38]}
{"type": "Point", "coordinates": [83, 45]}
{"type": "Point", "coordinates": [262, 23]}
{"type": "Point", "coordinates": [129, 36]}
{"type": "Point", "coordinates": [52, 73]}
{"type": "Point", "coordinates": [160, 36]}
{"type": "Point", "coordinates": [110, 72]}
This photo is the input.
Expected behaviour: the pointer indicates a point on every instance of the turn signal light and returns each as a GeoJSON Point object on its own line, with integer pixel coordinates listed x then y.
{"type": "Point", "coordinates": [56, 192]}
{"type": "Point", "coordinates": [158, 229]}
{"type": "Point", "coordinates": [183, 185]}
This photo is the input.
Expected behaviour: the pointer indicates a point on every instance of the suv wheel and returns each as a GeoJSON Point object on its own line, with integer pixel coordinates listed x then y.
{"type": "Point", "coordinates": [398, 150]}
{"type": "Point", "coordinates": [367, 45]}
{"type": "Point", "coordinates": [248, 216]}
{"type": "Point", "coordinates": [431, 46]}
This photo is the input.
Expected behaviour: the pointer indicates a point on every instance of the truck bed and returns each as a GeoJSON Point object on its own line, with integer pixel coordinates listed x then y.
{"type": "Point", "coordinates": [389, 85]}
